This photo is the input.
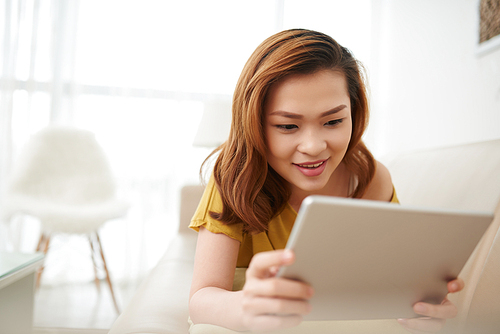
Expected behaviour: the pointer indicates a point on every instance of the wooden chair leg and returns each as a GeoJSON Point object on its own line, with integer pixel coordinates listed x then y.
{"type": "Point", "coordinates": [46, 239]}
{"type": "Point", "coordinates": [92, 252]}
{"type": "Point", "coordinates": [40, 242]}
{"type": "Point", "coordinates": [107, 273]}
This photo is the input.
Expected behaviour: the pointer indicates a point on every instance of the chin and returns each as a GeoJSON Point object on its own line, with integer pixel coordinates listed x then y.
{"type": "Point", "coordinates": [311, 188]}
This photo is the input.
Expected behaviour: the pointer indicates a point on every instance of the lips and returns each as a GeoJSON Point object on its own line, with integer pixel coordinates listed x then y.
{"type": "Point", "coordinates": [313, 168]}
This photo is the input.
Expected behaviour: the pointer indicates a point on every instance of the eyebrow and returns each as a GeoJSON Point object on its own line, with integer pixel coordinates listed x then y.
{"type": "Point", "coordinates": [297, 116]}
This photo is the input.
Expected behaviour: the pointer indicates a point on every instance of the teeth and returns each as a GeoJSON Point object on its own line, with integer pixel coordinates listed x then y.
{"type": "Point", "coordinates": [311, 166]}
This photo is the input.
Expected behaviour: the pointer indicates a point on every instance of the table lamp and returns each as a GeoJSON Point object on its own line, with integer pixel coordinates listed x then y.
{"type": "Point", "coordinates": [215, 124]}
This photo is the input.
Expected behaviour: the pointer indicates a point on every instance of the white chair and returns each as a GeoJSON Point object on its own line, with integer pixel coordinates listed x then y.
{"type": "Point", "coordinates": [62, 177]}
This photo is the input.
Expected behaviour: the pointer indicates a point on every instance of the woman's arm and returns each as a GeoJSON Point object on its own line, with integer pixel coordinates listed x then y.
{"type": "Point", "coordinates": [266, 302]}
{"type": "Point", "coordinates": [210, 300]}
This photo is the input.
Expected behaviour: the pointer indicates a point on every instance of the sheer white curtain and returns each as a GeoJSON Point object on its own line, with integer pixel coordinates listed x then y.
{"type": "Point", "coordinates": [37, 65]}
{"type": "Point", "coordinates": [137, 73]}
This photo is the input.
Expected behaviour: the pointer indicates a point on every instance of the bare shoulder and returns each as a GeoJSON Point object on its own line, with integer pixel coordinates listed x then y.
{"type": "Point", "coordinates": [381, 188]}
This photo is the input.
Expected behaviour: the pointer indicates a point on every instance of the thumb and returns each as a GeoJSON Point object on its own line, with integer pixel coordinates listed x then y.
{"type": "Point", "coordinates": [266, 264]}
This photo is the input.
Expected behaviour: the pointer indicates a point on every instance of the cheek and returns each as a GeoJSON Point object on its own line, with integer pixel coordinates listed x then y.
{"type": "Point", "coordinates": [274, 146]}
{"type": "Point", "coordinates": [342, 139]}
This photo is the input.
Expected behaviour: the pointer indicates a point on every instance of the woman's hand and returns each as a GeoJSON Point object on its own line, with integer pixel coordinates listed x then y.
{"type": "Point", "coordinates": [271, 302]}
{"type": "Point", "coordinates": [434, 315]}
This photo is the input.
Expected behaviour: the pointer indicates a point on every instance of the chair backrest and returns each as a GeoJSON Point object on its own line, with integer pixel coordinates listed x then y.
{"type": "Point", "coordinates": [64, 165]}
{"type": "Point", "coordinates": [190, 198]}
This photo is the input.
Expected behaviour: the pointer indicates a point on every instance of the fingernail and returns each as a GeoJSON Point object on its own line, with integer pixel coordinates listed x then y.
{"type": "Point", "coordinates": [287, 255]}
{"type": "Point", "coordinates": [420, 308]}
{"type": "Point", "coordinates": [273, 271]}
{"type": "Point", "coordinates": [454, 286]}
{"type": "Point", "coordinates": [403, 321]}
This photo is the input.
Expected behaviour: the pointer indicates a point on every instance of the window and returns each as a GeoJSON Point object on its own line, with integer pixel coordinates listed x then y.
{"type": "Point", "coordinates": [137, 73]}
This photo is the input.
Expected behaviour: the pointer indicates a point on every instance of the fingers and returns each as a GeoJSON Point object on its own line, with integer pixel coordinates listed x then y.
{"type": "Point", "coordinates": [269, 322]}
{"type": "Point", "coordinates": [446, 310]}
{"type": "Point", "coordinates": [456, 285]}
{"type": "Point", "coordinates": [422, 325]}
{"type": "Point", "coordinates": [279, 288]}
{"type": "Point", "coordinates": [276, 306]}
{"type": "Point", "coordinates": [263, 313]}
{"type": "Point", "coordinates": [434, 317]}
{"type": "Point", "coordinates": [269, 302]}
{"type": "Point", "coordinates": [266, 264]}
{"type": "Point", "coordinates": [260, 278]}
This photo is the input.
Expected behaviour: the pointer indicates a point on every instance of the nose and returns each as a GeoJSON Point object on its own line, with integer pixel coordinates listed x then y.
{"type": "Point", "coordinates": [312, 143]}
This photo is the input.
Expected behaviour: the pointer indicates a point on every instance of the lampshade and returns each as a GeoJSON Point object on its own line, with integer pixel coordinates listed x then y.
{"type": "Point", "coordinates": [215, 124]}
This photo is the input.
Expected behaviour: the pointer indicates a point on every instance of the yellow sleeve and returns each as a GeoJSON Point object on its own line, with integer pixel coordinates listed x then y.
{"type": "Point", "coordinates": [394, 198]}
{"type": "Point", "coordinates": [212, 202]}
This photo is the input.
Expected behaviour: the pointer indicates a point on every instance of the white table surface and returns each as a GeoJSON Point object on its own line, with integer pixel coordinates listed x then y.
{"type": "Point", "coordinates": [17, 290]}
{"type": "Point", "coordinates": [14, 266]}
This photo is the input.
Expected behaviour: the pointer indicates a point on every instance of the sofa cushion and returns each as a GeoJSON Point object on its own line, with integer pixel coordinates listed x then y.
{"type": "Point", "coordinates": [160, 305]}
{"type": "Point", "coordinates": [459, 177]}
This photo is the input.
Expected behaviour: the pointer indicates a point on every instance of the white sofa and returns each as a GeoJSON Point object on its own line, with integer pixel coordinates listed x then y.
{"type": "Point", "coordinates": [464, 177]}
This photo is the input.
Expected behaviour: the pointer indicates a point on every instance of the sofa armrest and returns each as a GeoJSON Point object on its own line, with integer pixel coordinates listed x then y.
{"type": "Point", "coordinates": [160, 305]}
{"type": "Point", "coordinates": [477, 304]}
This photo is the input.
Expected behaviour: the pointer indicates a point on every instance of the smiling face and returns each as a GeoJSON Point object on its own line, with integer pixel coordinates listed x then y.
{"type": "Point", "coordinates": [308, 128]}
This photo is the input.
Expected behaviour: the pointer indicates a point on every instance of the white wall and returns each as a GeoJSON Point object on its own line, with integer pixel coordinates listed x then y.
{"type": "Point", "coordinates": [430, 88]}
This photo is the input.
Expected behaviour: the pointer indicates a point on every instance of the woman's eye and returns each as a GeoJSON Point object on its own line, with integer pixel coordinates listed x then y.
{"type": "Point", "coordinates": [334, 122]}
{"type": "Point", "coordinates": [287, 127]}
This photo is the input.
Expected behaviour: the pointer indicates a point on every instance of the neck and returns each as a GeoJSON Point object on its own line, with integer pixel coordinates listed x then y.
{"type": "Point", "coordinates": [338, 185]}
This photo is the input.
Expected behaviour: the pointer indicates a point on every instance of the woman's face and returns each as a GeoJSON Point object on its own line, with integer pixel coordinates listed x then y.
{"type": "Point", "coordinates": [308, 128]}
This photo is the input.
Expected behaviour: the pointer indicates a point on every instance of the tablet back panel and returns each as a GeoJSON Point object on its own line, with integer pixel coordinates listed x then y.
{"type": "Point", "coordinates": [374, 260]}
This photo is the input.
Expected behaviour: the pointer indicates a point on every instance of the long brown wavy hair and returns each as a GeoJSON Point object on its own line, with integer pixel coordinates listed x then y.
{"type": "Point", "coordinates": [252, 192]}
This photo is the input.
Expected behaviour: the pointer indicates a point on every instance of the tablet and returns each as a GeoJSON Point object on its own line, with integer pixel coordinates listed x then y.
{"type": "Point", "coordinates": [374, 260]}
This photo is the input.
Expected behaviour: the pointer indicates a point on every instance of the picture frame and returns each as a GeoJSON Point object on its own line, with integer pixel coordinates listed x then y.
{"type": "Point", "coordinates": [489, 26]}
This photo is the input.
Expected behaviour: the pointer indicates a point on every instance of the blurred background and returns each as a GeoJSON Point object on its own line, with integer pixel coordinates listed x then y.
{"type": "Point", "coordinates": [141, 74]}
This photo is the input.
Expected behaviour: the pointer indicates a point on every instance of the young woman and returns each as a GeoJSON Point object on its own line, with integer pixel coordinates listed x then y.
{"type": "Point", "coordinates": [299, 111]}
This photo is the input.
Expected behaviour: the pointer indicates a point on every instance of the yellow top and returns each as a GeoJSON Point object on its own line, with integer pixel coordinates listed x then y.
{"type": "Point", "coordinates": [275, 237]}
